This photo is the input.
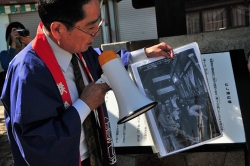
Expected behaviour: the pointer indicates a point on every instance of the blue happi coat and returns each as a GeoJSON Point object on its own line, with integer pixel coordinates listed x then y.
{"type": "Point", "coordinates": [40, 130]}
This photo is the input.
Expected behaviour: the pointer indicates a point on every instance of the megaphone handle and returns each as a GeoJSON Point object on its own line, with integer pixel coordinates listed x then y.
{"type": "Point", "coordinates": [103, 79]}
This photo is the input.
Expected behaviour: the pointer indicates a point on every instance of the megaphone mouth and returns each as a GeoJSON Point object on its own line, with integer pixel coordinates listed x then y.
{"type": "Point", "coordinates": [137, 112]}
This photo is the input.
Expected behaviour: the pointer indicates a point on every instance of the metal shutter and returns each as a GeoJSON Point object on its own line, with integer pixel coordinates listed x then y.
{"type": "Point", "coordinates": [136, 24]}
{"type": "Point", "coordinates": [98, 40]}
{"type": "Point", "coordinates": [31, 20]}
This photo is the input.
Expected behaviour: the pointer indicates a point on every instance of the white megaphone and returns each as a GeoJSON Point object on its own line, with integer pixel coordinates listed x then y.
{"type": "Point", "coordinates": [131, 102]}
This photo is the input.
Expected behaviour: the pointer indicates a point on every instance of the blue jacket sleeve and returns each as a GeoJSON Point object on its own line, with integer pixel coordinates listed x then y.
{"type": "Point", "coordinates": [36, 120]}
{"type": "Point", "coordinates": [122, 53]}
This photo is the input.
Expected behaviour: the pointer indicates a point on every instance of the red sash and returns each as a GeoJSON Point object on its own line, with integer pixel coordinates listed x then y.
{"type": "Point", "coordinates": [46, 54]}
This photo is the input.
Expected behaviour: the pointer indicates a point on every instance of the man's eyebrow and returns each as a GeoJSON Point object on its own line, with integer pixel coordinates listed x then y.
{"type": "Point", "coordinates": [93, 22]}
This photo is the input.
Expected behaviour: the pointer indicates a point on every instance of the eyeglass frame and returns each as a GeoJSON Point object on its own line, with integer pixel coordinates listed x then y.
{"type": "Point", "coordinates": [98, 29]}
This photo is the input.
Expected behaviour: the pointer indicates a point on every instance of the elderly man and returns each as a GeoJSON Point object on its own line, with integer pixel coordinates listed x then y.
{"type": "Point", "coordinates": [50, 93]}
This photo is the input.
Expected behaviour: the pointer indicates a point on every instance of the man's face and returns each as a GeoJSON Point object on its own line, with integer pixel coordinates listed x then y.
{"type": "Point", "coordinates": [77, 41]}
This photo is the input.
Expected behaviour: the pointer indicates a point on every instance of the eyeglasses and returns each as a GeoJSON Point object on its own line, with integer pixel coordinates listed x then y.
{"type": "Point", "coordinates": [92, 35]}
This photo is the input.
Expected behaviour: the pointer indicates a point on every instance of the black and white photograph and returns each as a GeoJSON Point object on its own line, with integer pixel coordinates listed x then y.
{"type": "Point", "coordinates": [184, 116]}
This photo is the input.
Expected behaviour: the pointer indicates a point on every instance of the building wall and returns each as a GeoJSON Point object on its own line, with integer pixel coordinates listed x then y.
{"type": "Point", "coordinates": [4, 2]}
{"type": "Point", "coordinates": [217, 41]}
{"type": "Point", "coordinates": [4, 21]}
{"type": "Point", "coordinates": [209, 42]}
{"type": "Point", "coordinates": [135, 24]}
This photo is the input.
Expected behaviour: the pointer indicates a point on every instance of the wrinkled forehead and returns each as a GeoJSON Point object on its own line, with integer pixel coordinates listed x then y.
{"type": "Point", "coordinates": [92, 8]}
{"type": "Point", "coordinates": [92, 13]}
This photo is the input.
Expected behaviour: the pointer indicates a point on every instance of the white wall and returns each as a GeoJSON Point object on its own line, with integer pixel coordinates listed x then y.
{"type": "Point", "coordinates": [4, 21]}
{"type": "Point", "coordinates": [136, 24]}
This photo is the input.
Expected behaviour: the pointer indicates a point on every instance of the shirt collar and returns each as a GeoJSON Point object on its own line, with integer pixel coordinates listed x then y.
{"type": "Point", "coordinates": [63, 57]}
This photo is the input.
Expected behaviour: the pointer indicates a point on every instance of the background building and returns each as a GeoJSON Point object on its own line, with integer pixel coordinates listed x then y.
{"type": "Point", "coordinates": [125, 23]}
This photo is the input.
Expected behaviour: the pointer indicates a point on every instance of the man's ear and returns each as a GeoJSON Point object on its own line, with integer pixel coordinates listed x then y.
{"type": "Point", "coordinates": [57, 29]}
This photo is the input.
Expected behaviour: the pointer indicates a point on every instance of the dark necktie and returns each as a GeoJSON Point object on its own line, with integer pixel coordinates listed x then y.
{"type": "Point", "coordinates": [89, 125]}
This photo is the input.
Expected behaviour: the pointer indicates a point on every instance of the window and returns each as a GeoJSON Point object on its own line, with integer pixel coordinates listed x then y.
{"type": "Point", "coordinates": [216, 17]}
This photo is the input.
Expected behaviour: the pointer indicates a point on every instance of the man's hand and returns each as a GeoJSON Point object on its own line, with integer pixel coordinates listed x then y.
{"type": "Point", "coordinates": [93, 94]}
{"type": "Point", "coordinates": [158, 50]}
